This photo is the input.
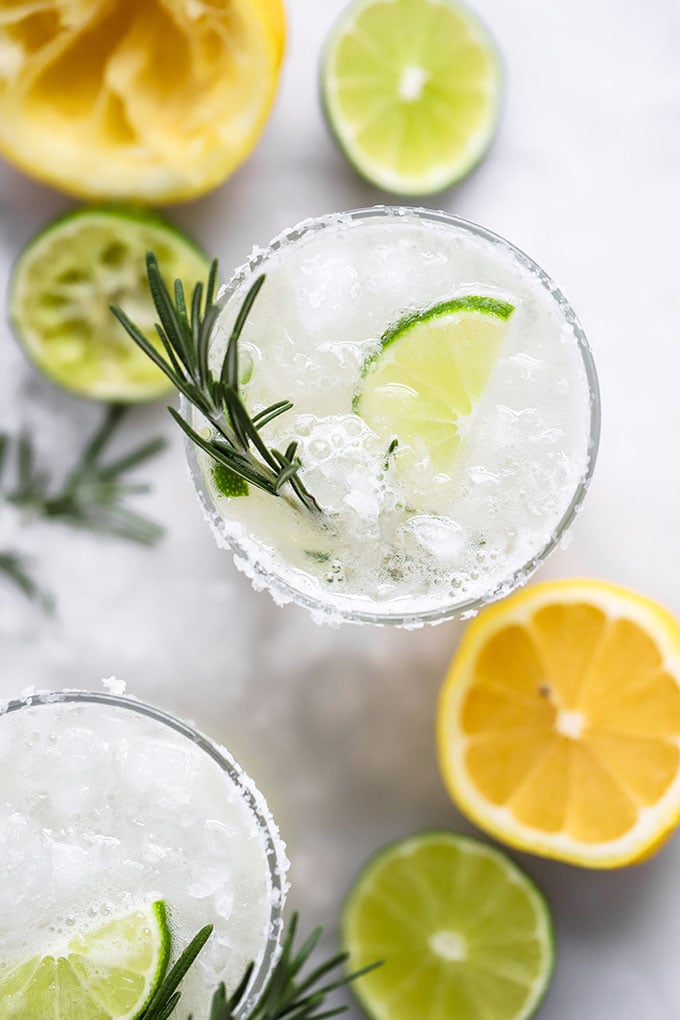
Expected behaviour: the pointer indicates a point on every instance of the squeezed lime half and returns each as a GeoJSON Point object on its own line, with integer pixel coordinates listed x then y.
{"type": "Point", "coordinates": [65, 280]}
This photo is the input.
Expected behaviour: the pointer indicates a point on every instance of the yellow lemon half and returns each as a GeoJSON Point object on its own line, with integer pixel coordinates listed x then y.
{"type": "Point", "coordinates": [559, 723]}
{"type": "Point", "coordinates": [151, 101]}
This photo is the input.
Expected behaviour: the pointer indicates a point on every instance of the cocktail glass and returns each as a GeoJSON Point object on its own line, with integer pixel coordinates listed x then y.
{"type": "Point", "coordinates": [270, 556]}
{"type": "Point", "coordinates": [105, 802]}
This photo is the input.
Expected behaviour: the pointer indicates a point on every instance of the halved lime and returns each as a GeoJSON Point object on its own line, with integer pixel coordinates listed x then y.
{"type": "Point", "coordinates": [461, 931]}
{"type": "Point", "coordinates": [411, 91]}
{"type": "Point", "coordinates": [110, 973]}
{"type": "Point", "coordinates": [430, 371]}
{"type": "Point", "coordinates": [66, 278]}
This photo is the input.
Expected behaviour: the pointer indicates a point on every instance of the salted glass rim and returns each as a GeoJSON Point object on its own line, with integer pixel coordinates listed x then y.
{"type": "Point", "coordinates": [254, 800]}
{"type": "Point", "coordinates": [331, 608]}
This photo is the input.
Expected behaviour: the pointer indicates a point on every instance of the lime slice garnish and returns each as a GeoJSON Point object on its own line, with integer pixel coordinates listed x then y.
{"type": "Point", "coordinates": [109, 973]}
{"type": "Point", "coordinates": [428, 375]}
{"type": "Point", "coordinates": [66, 278]}
{"type": "Point", "coordinates": [461, 931]}
{"type": "Point", "coordinates": [411, 92]}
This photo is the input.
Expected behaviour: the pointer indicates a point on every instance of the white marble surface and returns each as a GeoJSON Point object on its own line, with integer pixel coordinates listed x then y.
{"type": "Point", "coordinates": [337, 726]}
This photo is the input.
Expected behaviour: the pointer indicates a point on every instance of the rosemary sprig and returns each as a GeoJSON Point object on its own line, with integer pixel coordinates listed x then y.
{"type": "Point", "coordinates": [185, 331]}
{"type": "Point", "coordinates": [287, 995]}
{"type": "Point", "coordinates": [17, 569]}
{"type": "Point", "coordinates": [94, 494]}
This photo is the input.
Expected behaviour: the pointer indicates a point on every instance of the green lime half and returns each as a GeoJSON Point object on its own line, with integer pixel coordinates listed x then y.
{"type": "Point", "coordinates": [430, 371]}
{"type": "Point", "coordinates": [411, 91]}
{"type": "Point", "coordinates": [461, 931]}
{"type": "Point", "coordinates": [110, 973]}
{"type": "Point", "coordinates": [66, 278]}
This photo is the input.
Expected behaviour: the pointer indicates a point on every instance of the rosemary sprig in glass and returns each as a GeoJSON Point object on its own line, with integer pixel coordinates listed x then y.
{"type": "Point", "coordinates": [236, 443]}
{"type": "Point", "coordinates": [167, 995]}
{"type": "Point", "coordinates": [94, 496]}
{"type": "Point", "coordinates": [287, 996]}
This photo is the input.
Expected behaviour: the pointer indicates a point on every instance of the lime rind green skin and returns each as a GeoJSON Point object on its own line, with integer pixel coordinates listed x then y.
{"type": "Point", "coordinates": [372, 1004]}
{"type": "Point", "coordinates": [92, 987]}
{"type": "Point", "coordinates": [117, 211]}
{"type": "Point", "coordinates": [472, 303]}
{"type": "Point", "coordinates": [161, 914]}
{"type": "Point", "coordinates": [461, 170]}
{"type": "Point", "coordinates": [119, 219]}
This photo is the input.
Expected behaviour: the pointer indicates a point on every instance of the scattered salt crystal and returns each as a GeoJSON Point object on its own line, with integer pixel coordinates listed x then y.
{"type": "Point", "coordinates": [114, 686]}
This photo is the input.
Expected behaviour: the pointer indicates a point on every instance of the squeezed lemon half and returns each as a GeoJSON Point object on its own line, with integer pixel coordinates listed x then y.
{"type": "Point", "coordinates": [153, 102]}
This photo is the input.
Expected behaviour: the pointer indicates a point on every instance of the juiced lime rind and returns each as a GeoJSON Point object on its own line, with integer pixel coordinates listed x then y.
{"type": "Point", "coordinates": [376, 173]}
{"type": "Point", "coordinates": [470, 303]}
{"type": "Point", "coordinates": [74, 985]}
{"type": "Point", "coordinates": [103, 363]}
{"type": "Point", "coordinates": [364, 988]}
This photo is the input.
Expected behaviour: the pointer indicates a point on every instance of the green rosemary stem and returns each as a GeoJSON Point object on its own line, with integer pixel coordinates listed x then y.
{"type": "Point", "coordinates": [185, 330]}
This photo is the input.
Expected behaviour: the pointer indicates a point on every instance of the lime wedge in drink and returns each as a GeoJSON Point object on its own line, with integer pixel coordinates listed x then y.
{"type": "Point", "coordinates": [110, 973]}
{"type": "Point", "coordinates": [429, 373]}
{"type": "Point", "coordinates": [411, 91]}
{"type": "Point", "coordinates": [66, 278]}
{"type": "Point", "coordinates": [461, 931]}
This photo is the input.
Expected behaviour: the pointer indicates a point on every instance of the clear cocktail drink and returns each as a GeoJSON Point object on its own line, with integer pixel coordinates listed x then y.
{"type": "Point", "coordinates": [108, 805]}
{"type": "Point", "coordinates": [446, 408]}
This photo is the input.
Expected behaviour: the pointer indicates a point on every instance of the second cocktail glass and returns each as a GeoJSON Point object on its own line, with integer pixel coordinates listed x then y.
{"type": "Point", "coordinates": [108, 805]}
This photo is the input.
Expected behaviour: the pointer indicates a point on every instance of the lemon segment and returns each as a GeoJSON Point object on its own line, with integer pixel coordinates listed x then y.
{"type": "Point", "coordinates": [559, 723]}
{"type": "Point", "coordinates": [110, 973]}
{"type": "Point", "coordinates": [460, 930]}
{"type": "Point", "coordinates": [153, 102]}
{"type": "Point", "coordinates": [64, 282]}
{"type": "Point", "coordinates": [427, 377]}
{"type": "Point", "coordinates": [411, 91]}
